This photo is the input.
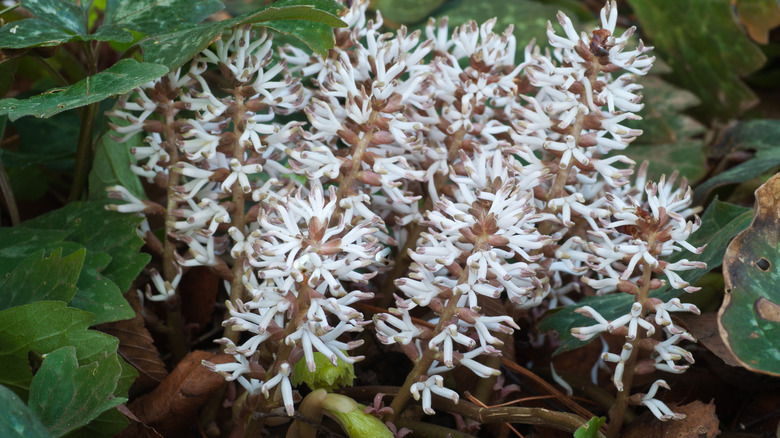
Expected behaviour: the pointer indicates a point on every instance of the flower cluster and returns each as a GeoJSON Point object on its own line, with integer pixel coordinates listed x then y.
{"type": "Point", "coordinates": [433, 161]}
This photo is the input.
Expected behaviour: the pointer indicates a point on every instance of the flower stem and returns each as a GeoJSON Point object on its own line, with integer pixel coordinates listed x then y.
{"type": "Point", "coordinates": [618, 411]}
{"type": "Point", "coordinates": [83, 152]}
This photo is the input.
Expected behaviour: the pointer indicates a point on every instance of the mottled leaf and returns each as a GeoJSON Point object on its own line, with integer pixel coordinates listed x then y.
{"type": "Point", "coordinates": [32, 32]}
{"type": "Point", "coordinates": [706, 50]}
{"type": "Point", "coordinates": [176, 48]}
{"type": "Point", "coordinates": [120, 78]}
{"type": "Point", "coordinates": [22, 330]}
{"type": "Point", "coordinates": [749, 318]}
{"type": "Point", "coordinates": [62, 13]}
{"type": "Point", "coordinates": [17, 421]}
{"type": "Point", "coordinates": [66, 396]}
{"type": "Point", "coordinates": [42, 278]}
{"type": "Point", "coordinates": [720, 222]}
{"type": "Point", "coordinates": [158, 16]}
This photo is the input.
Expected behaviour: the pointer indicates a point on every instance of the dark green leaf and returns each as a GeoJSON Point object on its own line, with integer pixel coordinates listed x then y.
{"type": "Point", "coordinates": [720, 222]}
{"type": "Point", "coordinates": [42, 278]}
{"type": "Point", "coordinates": [120, 78]}
{"type": "Point", "coordinates": [752, 135]}
{"type": "Point", "coordinates": [101, 230]}
{"type": "Point", "coordinates": [32, 32]}
{"type": "Point", "coordinates": [317, 36]}
{"type": "Point", "coordinates": [111, 167]}
{"type": "Point", "coordinates": [61, 13]}
{"type": "Point", "coordinates": [749, 318]}
{"type": "Point", "coordinates": [29, 183]}
{"type": "Point", "coordinates": [685, 156]}
{"type": "Point", "coordinates": [17, 243]}
{"type": "Point", "coordinates": [17, 421]}
{"type": "Point", "coordinates": [98, 294]}
{"type": "Point", "coordinates": [662, 119]}
{"type": "Point", "coordinates": [176, 48]}
{"type": "Point", "coordinates": [44, 141]}
{"type": "Point", "coordinates": [66, 396]}
{"type": "Point", "coordinates": [405, 11]}
{"type": "Point", "coordinates": [707, 51]}
{"type": "Point", "coordinates": [43, 327]}
{"type": "Point", "coordinates": [157, 16]}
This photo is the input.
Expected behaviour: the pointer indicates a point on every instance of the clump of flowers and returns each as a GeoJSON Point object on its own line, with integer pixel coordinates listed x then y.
{"type": "Point", "coordinates": [435, 175]}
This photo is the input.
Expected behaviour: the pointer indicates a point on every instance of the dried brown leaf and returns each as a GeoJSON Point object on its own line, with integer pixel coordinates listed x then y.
{"type": "Point", "coordinates": [700, 421]}
{"type": "Point", "coordinates": [172, 407]}
{"type": "Point", "coordinates": [137, 347]}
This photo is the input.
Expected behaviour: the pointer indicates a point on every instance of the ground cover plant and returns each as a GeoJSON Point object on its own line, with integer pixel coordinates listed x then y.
{"type": "Point", "coordinates": [315, 218]}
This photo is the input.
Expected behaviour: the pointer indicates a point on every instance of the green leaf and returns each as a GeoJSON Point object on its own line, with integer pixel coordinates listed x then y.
{"type": "Point", "coordinates": [720, 222]}
{"type": "Point", "coordinates": [42, 278]}
{"type": "Point", "coordinates": [176, 48]}
{"type": "Point", "coordinates": [118, 79]}
{"type": "Point", "coordinates": [44, 141]}
{"type": "Point", "coordinates": [100, 230]}
{"type": "Point", "coordinates": [749, 318]}
{"type": "Point", "coordinates": [66, 396]}
{"type": "Point", "coordinates": [158, 16]}
{"type": "Point", "coordinates": [32, 32]}
{"type": "Point", "coordinates": [405, 11]}
{"type": "Point", "coordinates": [43, 327]}
{"type": "Point", "coordinates": [111, 167]}
{"type": "Point", "coordinates": [325, 376]}
{"type": "Point", "coordinates": [318, 37]}
{"type": "Point", "coordinates": [17, 421]}
{"type": "Point", "coordinates": [17, 243]}
{"type": "Point", "coordinates": [686, 156]}
{"type": "Point", "coordinates": [705, 48]}
{"type": "Point", "coordinates": [62, 13]}
{"type": "Point", "coordinates": [99, 295]}
{"type": "Point", "coordinates": [591, 428]}
{"type": "Point", "coordinates": [758, 135]}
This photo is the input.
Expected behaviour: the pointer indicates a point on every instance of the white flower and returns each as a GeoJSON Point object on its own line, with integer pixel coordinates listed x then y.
{"type": "Point", "coordinates": [657, 407]}
{"type": "Point", "coordinates": [283, 377]}
{"type": "Point", "coordinates": [434, 384]}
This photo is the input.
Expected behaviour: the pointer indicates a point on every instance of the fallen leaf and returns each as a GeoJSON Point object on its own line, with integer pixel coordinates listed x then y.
{"type": "Point", "coordinates": [749, 318]}
{"type": "Point", "coordinates": [759, 17]}
{"type": "Point", "coordinates": [173, 406]}
{"type": "Point", "coordinates": [700, 421]}
{"type": "Point", "coordinates": [136, 346]}
{"type": "Point", "coordinates": [705, 329]}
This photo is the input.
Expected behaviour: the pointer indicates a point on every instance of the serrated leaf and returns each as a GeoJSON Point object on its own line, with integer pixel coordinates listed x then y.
{"type": "Point", "coordinates": [66, 396]}
{"type": "Point", "coordinates": [749, 318]}
{"type": "Point", "coordinates": [157, 16]}
{"type": "Point", "coordinates": [720, 222]}
{"type": "Point", "coordinates": [22, 330]}
{"type": "Point", "coordinates": [42, 278]}
{"type": "Point", "coordinates": [120, 78]}
{"type": "Point", "coordinates": [326, 375]}
{"type": "Point", "coordinates": [17, 243]}
{"type": "Point", "coordinates": [111, 167]}
{"type": "Point", "coordinates": [705, 48]}
{"type": "Point", "coordinates": [176, 48]}
{"type": "Point", "coordinates": [17, 421]}
{"type": "Point", "coordinates": [100, 230]}
{"type": "Point", "coordinates": [99, 295]}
